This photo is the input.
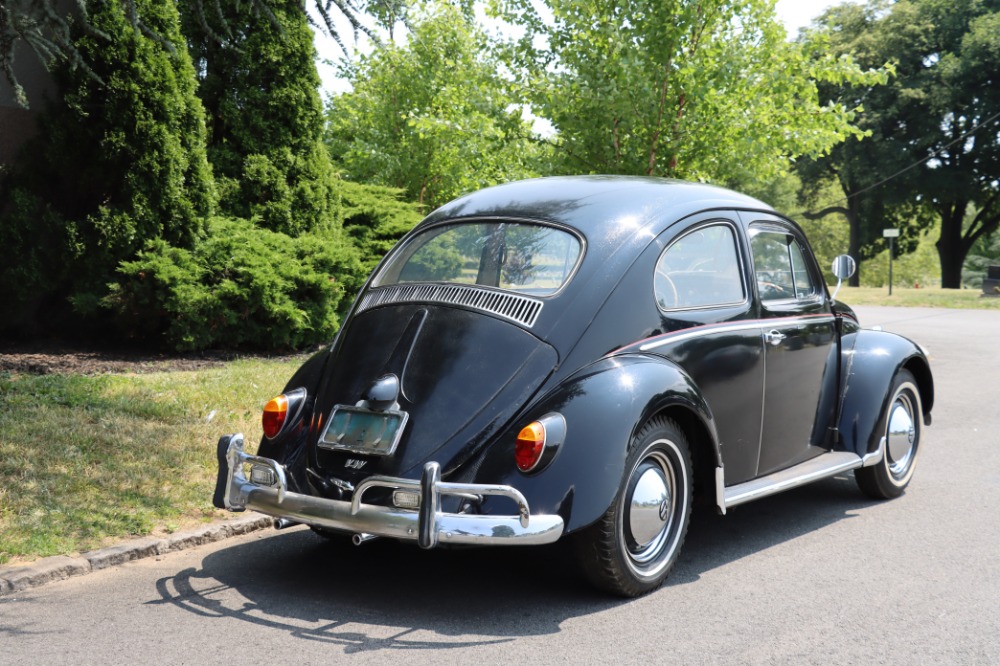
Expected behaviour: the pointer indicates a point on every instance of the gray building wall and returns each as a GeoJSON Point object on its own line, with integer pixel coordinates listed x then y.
{"type": "Point", "coordinates": [18, 124]}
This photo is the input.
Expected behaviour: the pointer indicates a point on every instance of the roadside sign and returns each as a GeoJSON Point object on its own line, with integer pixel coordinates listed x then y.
{"type": "Point", "coordinates": [890, 234]}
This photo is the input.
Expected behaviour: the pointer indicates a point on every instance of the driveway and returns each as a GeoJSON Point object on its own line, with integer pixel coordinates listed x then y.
{"type": "Point", "coordinates": [818, 575]}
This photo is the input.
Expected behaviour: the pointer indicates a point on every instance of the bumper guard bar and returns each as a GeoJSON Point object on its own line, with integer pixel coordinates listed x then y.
{"type": "Point", "coordinates": [428, 525]}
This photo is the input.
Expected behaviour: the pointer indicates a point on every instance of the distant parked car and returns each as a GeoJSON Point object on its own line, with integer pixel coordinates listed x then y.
{"type": "Point", "coordinates": [575, 358]}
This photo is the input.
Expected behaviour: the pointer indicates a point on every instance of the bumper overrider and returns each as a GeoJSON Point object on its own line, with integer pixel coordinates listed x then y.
{"type": "Point", "coordinates": [267, 492]}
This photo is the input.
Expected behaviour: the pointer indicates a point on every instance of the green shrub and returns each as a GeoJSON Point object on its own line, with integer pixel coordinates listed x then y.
{"type": "Point", "coordinates": [918, 268]}
{"type": "Point", "coordinates": [241, 287]}
{"type": "Point", "coordinates": [374, 218]}
{"type": "Point", "coordinates": [985, 252]}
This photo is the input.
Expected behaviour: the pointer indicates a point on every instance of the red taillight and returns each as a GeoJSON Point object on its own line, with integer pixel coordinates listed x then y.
{"type": "Point", "coordinates": [529, 447]}
{"type": "Point", "coordinates": [275, 413]}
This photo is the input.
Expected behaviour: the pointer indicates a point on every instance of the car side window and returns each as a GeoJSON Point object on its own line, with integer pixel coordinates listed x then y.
{"type": "Point", "coordinates": [700, 269]}
{"type": "Point", "coordinates": [780, 266]}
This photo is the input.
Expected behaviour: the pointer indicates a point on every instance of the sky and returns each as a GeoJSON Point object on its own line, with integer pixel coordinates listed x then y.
{"type": "Point", "coordinates": [796, 14]}
{"type": "Point", "coordinates": [793, 13]}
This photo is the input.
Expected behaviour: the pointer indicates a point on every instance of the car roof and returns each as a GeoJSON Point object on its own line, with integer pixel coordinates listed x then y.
{"type": "Point", "coordinates": [600, 207]}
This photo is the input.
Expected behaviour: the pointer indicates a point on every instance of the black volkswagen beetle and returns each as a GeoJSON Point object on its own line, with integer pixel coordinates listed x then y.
{"type": "Point", "coordinates": [579, 358]}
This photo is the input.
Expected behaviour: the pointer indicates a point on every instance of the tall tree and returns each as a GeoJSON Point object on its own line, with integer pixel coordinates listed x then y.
{"type": "Point", "coordinates": [121, 162]}
{"type": "Point", "coordinates": [707, 90]}
{"type": "Point", "coordinates": [935, 149]}
{"type": "Point", "coordinates": [858, 166]}
{"type": "Point", "coordinates": [45, 26]}
{"type": "Point", "coordinates": [259, 86]}
{"type": "Point", "coordinates": [434, 117]}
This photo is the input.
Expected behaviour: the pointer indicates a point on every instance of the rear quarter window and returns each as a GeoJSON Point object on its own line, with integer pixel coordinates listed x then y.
{"type": "Point", "coordinates": [700, 269]}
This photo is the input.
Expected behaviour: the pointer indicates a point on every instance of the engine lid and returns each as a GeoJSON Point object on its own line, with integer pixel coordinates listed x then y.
{"type": "Point", "coordinates": [461, 376]}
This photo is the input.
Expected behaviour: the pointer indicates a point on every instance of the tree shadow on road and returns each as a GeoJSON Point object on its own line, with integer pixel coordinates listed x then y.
{"type": "Point", "coordinates": [387, 595]}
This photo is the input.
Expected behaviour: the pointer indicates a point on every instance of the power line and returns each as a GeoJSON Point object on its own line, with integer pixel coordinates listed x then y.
{"type": "Point", "coordinates": [912, 166]}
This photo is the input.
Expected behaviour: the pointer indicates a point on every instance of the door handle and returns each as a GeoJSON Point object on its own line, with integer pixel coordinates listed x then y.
{"type": "Point", "coordinates": [774, 337]}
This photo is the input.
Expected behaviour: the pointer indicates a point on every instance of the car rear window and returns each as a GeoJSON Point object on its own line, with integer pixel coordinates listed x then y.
{"type": "Point", "coordinates": [525, 258]}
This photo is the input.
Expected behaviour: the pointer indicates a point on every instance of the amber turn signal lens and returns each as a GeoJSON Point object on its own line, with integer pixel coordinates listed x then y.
{"type": "Point", "coordinates": [529, 447]}
{"type": "Point", "coordinates": [275, 413]}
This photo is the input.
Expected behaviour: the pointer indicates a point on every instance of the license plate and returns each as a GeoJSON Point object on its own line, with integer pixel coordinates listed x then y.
{"type": "Point", "coordinates": [360, 430]}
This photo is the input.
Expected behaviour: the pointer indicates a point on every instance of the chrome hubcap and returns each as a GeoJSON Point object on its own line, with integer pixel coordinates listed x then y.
{"type": "Point", "coordinates": [901, 435]}
{"type": "Point", "coordinates": [650, 511]}
{"type": "Point", "coordinates": [649, 508]}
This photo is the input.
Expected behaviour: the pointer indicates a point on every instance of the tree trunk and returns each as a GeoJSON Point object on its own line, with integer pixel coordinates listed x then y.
{"type": "Point", "coordinates": [952, 256]}
{"type": "Point", "coordinates": [951, 246]}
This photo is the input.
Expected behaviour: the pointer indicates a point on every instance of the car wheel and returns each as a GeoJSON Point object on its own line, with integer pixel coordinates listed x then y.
{"type": "Point", "coordinates": [630, 550]}
{"type": "Point", "coordinates": [902, 426]}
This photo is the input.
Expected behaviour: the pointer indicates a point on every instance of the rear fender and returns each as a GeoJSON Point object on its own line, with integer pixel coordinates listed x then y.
{"type": "Point", "coordinates": [604, 406]}
{"type": "Point", "coordinates": [877, 357]}
{"type": "Point", "coordinates": [289, 447]}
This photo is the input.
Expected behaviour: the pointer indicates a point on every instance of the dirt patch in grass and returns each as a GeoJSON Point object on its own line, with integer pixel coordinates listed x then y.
{"type": "Point", "coordinates": [54, 358]}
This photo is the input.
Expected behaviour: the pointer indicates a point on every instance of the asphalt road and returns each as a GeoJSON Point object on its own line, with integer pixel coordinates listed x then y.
{"type": "Point", "coordinates": [818, 575]}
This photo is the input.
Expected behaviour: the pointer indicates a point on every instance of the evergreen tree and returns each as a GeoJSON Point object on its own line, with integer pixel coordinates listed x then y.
{"type": "Point", "coordinates": [259, 85]}
{"type": "Point", "coordinates": [120, 162]}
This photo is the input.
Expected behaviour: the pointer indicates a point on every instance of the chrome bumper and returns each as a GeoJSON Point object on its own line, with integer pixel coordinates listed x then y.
{"type": "Point", "coordinates": [427, 525]}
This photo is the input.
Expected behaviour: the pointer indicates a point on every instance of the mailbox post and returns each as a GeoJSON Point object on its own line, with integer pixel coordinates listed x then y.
{"type": "Point", "coordinates": [892, 235]}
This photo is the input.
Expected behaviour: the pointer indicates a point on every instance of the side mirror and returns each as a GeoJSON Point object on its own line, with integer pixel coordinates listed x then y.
{"type": "Point", "coordinates": [843, 268]}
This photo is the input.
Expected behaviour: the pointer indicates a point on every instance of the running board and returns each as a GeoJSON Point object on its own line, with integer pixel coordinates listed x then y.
{"type": "Point", "coordinates": [820, 467]}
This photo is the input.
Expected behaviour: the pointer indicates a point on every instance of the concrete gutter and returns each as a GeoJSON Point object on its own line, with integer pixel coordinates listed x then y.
{"type": "Point", "coordinates": [20, 578]}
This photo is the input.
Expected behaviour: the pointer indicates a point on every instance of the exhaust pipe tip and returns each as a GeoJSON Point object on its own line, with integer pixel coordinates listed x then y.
{"type": "Point", "coordinates": [282, 523]}
{"type": "Point", "coordinates": [361, 538]}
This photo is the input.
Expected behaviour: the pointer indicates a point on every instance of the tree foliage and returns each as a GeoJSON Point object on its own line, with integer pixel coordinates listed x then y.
{"type": "Point", "coordinates": [703, 90]}
{"type": "Point", "coordinates": [935, 148]}
{"type": "Point", "coordinates": [122, 161]}
{"type": "Point", "coordinates": [44, 26]}
{"type": "Point", "coordinates": [259, 87]}
{"type": "Point", "coordinates": [433, 118]}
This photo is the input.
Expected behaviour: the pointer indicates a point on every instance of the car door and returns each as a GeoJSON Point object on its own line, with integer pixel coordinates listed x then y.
{"type": "Point", "coordinates": [799, 340]}
{"type": "Point", "coordinates": [702, 290]}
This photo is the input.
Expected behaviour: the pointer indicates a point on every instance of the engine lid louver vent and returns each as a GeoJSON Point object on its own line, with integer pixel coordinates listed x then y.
{"type": "Point", "coordinates": [515, 307]}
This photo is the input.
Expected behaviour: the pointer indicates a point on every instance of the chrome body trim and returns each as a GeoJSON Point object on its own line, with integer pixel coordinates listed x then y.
{"type": "Point", "coordinates": [712, 329]}
{"type": "Point", "coordinates": [670, 339]}
{"type": "Point", "coordinates": [428, 525]}
{"type": "Point", "coordinates": [512, 306]}
{"type": "Point", "coordinates": [820, 467]}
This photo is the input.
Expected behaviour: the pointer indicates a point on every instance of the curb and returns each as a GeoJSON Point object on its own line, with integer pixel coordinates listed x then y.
{"type": "Point", "coordinates": [59, 567]}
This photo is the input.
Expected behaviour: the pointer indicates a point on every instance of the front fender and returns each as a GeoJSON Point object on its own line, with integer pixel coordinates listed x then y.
{"type": "Point", "coordinates": [876, 358]}
{"type": "Point", "coordinates": [604, 406]}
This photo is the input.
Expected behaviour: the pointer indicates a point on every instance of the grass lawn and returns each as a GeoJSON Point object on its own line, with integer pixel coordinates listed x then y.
{"type": "Point", "coordinates": [86, 460]}
{"type": "Point", "coordinates": [932, 297]}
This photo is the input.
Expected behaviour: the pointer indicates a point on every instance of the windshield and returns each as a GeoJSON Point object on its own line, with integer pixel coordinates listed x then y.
{"type": "Point", "coordinates": [526, 258]}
